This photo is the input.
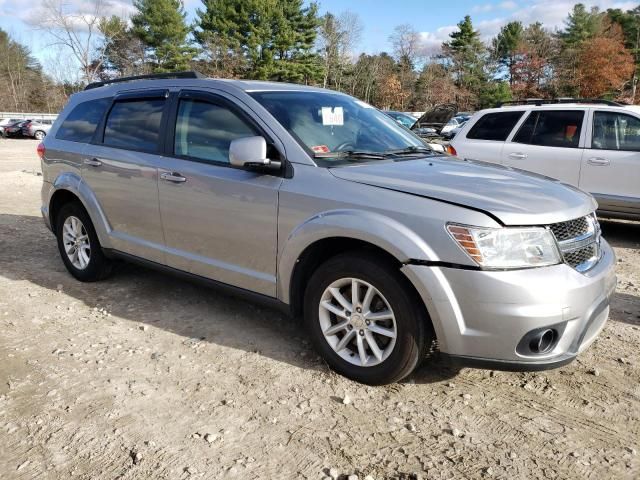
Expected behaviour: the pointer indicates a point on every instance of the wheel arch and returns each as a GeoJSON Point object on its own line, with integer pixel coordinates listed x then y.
{"type": "Point", "coordinates": [328, 234]}
{"type": "Point", "coordinates": [69, 187]}
{"type": "Point", "coordinates": [59, 198]}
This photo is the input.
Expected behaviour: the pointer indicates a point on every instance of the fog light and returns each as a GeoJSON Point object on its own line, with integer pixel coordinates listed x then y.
{"type": "Point", "coordinates": [541, 340]}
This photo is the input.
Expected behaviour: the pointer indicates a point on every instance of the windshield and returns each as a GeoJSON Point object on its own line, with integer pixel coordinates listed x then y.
{"type": "Point", "coordinates": [336, 128]}
{"type": "Point", "coordinates": [403, 119]}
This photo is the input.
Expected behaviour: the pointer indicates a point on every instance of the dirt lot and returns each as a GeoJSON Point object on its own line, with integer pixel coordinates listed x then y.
{"type": "Point", "coordinates": [145, 376]}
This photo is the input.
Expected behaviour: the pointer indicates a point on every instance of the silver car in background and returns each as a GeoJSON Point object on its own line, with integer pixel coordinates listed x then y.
{"type": "Point", "coordinates": [318, 203]}
{"type": "Point", "coordinates": [37, 129]}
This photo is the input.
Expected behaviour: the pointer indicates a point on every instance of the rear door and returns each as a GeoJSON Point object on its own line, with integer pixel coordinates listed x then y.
{"type": "Point", "coordinates": [485, 138]}
{"type": "Point", "coordinates": [219, 221]}
{"type": "Point", "coordinates": [611, 161]}
{"type": "Point", "coordinates": [120, 168]}
{"type": "Point", "coordinates": [549, 142]}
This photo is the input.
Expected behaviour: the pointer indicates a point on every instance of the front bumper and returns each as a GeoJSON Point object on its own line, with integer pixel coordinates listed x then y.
{"type": "Point", "coordinates": [481, 316]}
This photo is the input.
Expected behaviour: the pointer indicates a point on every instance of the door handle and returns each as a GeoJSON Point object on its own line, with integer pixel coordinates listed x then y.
{"type": "Point", "coordinates": [92, 162]}
{"type": "Point", "coordinates": [598, 161]}
{"type": "Point", "coordinates": [518, 156]}
{"type": "Point", "coordinates": [173, 177]}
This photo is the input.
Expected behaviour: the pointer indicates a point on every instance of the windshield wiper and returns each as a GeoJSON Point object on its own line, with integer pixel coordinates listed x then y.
{"type": "Point", "coordinates": [413, 150]}
{"type": "Point", "coordinates": [409, 151]}
{"type": "Point", "coordinates": [351, 154]}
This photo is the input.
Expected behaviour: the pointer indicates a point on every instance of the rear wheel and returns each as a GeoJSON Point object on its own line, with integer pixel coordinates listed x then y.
{"type": "Point", "coordinates": [39, 135]}
{"type": "Point", "coordinates": [78, 244]}
{"type": "Point", "coordinates": [364, 319]}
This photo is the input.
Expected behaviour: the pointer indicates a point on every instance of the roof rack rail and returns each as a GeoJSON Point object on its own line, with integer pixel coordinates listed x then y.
{"type": "Point", "coordinates": [153, 76]}
{"type": "Point", "coordinates": [551, 101]}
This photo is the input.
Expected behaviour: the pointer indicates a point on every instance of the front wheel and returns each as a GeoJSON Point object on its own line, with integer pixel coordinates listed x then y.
{"type": "Point", "coordinates": [364, 319]}
{"type": "Point", "coordinates": [39, 135]}
{"type": "Point", "coordinates": [79, 245]}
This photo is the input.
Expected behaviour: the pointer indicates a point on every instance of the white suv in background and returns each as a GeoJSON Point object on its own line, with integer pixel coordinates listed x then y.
{"type": "Point", "coordinates": [591, 144]}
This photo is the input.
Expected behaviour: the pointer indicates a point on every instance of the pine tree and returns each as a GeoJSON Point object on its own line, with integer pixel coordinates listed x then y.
{"type": "Point", "coordinates": [161, 25]}
{"type": "Point", "coordinates": [467, 56]}
{"type": "Point", "coordinates": [275, 38]}
{"type": "Point", "coordinates": [505, 46]}
{"type": "Point", "coordinates": [581, 25]}
{"type": "Point", "coordinates": [124, 53]}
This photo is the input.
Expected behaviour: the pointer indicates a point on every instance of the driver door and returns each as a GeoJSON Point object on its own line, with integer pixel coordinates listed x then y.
{"type": "Point", "coordinates": [219, 222]}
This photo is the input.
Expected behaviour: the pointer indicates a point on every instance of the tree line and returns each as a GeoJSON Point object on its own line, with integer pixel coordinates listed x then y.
{"type": "Point", "coordinates": [595, 54]}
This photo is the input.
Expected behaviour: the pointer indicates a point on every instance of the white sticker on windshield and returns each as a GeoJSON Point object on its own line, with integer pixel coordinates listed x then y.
{"type": "Point", "coordinates": [332, 116]}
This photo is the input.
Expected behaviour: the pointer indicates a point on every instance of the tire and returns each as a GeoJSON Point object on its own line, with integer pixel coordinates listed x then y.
{"type": "Point", "coordinates": [39, 135]}
{"type": "Point", "coordinates": [93, 265]}
{"type": "Point", "coordinates": [396, 357]}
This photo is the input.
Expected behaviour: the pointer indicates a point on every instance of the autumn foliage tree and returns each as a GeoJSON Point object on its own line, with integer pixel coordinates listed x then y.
{"type": "Point", "coordinates": [531, 66]}
{"type": "Point", "coordinates": [604, 66]}
{"type": "Point", "coordinates": [391, 94]}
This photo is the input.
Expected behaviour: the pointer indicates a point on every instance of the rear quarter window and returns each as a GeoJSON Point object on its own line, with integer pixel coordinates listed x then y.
{"type": "Point", "coordinates": [494, 126]}
{"type": "Point", "coordinates": [81, 123]}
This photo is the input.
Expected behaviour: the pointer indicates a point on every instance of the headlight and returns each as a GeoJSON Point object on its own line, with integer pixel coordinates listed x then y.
{"type": "Point", "coordinates": [507, 247]}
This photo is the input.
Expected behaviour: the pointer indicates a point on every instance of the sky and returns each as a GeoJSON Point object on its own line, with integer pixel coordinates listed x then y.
{"type": "Point", "coordinates": [433, 19]}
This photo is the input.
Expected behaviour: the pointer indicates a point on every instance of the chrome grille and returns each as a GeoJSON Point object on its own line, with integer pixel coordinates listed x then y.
{"type": "Point", "coordinates": [579, 241]}
{"type": "Point", "coordinates": [581, 259]}
{"type": "Point", "coordinates": [571, 229]}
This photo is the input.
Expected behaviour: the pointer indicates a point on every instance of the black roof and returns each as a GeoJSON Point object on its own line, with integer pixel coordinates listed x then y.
{"type": "Point", "coordinates": [154, 76]}
{"type": "Point", "coordinates": [551, 101]}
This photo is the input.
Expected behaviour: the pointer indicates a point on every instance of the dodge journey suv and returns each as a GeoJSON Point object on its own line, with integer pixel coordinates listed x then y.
{"type": "Point", "coordinates": [315, 201]}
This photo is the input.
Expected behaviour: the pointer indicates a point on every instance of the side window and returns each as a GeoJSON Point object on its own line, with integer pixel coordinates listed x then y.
{"type": "Point", "coordinates": [135, 124]}
{"type": "Point", "coordinates": [615, 131]}
{"type": "Point", "coordinates": [81, 123]}
{"type": "Point", "coordinates": [551, 128]}
{"type": "Point", "coordinates": [494, 126]}
{"type": "Point", "coordinates": [204, 130]}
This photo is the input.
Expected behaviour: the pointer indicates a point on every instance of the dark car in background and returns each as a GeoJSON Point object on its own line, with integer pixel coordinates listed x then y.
{"type": "Point", "coordinates": [431, 123]}
{"type": "Point", "coordinates": [14, 130]}
{"type": "Point", "coordinates": [5, 122]}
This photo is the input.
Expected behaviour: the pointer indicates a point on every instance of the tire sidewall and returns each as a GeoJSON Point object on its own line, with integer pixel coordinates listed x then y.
{"type": "Point", "coordinates": [409, 320]}
{"type": "Point", "coordinates": [93, 271]}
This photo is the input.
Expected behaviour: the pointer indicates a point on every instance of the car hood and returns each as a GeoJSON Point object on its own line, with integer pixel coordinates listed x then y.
{"type": "Point", "coordinates": [511, 196]}
{"type": "Point", "coordinates": [437, 117]}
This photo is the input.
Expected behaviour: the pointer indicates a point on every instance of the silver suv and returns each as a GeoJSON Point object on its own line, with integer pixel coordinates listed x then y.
{"type": "Point", "coordinates": [315, 201]}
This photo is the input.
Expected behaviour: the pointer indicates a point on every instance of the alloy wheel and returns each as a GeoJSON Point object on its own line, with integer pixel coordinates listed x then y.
{"type": "Point", "coordinates": [76, 242]}
{"type": "Point", "coordinates": [357, 322]}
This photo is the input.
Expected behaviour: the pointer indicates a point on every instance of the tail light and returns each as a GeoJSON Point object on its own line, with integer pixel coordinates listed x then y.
{"type": "Point", "coordinates": [450, 150]}
{"type": "Point", "coordinates": [41, 151]}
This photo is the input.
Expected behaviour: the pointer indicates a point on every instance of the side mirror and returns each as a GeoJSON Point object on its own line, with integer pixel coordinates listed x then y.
{"type": "Point", "coordinates": [249, 152]}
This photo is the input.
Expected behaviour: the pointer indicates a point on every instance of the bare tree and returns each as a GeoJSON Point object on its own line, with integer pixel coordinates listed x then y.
{"type": "Point", "coordinates": [408, 50]}
{"type": "Point", "coordinates": [338, 37]}
{"type": "Point", "coordinates": [78, 32]}
{"type": "Point", "coordinates": [407, 44]}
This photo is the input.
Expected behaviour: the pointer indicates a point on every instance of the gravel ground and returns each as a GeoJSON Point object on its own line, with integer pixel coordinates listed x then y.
{"type": "Point", "coordinates": [145, 376]}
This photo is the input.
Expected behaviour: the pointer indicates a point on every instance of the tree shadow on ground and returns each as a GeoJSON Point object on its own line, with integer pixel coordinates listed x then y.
{"type": "Point", "coordinates": [621, 233]}
{"type": "Point", "coordinates": [28, 253]}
